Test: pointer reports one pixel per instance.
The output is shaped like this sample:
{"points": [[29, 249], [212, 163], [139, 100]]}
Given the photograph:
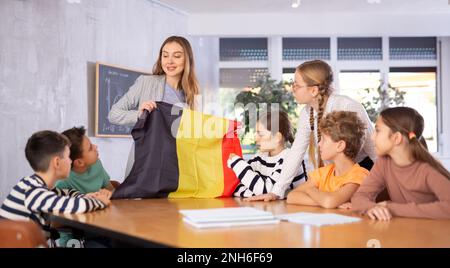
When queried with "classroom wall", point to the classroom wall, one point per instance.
{"points": [[47, 81]]}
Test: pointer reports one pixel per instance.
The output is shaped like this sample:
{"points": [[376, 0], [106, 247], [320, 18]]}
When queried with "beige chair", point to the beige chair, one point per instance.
{"points": [[21, 234]]}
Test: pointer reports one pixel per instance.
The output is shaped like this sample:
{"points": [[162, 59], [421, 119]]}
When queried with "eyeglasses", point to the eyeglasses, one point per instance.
{"points": [[296, 86]]}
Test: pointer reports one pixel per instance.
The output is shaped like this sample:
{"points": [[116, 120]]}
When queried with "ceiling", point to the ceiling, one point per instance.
{"points": [[309, 6]]}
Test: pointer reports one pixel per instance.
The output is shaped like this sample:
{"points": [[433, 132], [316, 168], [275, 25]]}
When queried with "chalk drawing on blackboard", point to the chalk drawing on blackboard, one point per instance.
{"points": [[112, 82]]}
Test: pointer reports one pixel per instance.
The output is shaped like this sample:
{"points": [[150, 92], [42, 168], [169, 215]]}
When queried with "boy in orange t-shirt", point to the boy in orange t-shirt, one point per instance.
{"points": [[334, 184]]}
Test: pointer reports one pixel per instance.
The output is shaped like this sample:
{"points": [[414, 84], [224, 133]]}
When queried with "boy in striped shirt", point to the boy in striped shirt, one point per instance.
{"points": [[35, 196]]}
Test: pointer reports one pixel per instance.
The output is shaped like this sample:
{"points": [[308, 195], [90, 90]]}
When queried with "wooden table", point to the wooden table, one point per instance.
{"points": [[157, 222]]}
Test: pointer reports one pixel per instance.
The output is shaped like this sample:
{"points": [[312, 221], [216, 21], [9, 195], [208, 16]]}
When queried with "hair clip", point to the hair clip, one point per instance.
{"points": [[412, 135]]}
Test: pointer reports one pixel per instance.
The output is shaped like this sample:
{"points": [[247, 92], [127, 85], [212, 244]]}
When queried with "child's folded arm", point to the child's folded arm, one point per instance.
{"points": [[300, 198], [67, 192], [332, 199], [251, 179], [433, 210], [242, 191], [439, 185], [44, 200]]}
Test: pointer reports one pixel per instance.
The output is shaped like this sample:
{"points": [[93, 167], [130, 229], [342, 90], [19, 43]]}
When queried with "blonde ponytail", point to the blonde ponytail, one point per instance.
{"points": [[316, 73]]}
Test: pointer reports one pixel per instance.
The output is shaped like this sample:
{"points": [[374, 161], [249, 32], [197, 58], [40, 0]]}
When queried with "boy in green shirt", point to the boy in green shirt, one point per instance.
{"points": [[87, 174]]}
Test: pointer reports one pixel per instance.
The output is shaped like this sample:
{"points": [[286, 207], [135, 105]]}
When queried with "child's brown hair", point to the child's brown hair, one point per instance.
{"points": [[410, 124], [42, 146], [75, 135], [345, 126], [284, 124]]}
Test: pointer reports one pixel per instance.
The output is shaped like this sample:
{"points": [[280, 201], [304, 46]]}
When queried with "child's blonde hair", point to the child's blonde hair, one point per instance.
{"points": [[345, 126], [410, 124], [316, 73]]}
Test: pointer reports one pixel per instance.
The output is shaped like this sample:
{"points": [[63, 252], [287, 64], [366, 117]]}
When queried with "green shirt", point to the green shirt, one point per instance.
{"points": [[94, 179]]}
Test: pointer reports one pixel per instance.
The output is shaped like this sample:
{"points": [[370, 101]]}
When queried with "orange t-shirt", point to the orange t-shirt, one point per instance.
{"points": [[326, 181]]}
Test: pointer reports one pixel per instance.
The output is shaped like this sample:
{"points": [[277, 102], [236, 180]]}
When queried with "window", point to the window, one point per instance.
{"points": [[288, 74], [306, 49], [243, 49], [233, 81], [359, 48], [412, 48], [420, 87], [354, 83]]}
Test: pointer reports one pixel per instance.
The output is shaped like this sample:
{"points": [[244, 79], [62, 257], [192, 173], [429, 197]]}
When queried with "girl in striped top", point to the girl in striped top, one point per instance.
{"points": [[35, 196], [259, 174]]}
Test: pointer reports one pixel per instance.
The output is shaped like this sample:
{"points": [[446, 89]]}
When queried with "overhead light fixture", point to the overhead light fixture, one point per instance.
{"points": [[296, 3], [373, 1]]}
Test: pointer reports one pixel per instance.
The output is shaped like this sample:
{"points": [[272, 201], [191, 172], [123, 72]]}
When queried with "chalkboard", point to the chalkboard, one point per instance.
{"points": [[112, 82]]}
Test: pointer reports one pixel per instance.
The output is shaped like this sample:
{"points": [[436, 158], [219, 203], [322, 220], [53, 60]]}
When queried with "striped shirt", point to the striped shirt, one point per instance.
{"points": [[31, 199], [259, 174]]}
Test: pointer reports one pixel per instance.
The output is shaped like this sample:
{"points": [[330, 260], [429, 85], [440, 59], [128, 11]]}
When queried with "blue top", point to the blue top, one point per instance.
{"points": [[173, 96]]}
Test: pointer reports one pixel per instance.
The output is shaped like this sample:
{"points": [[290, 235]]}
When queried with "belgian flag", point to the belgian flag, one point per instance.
{"points": [[181, 153]]}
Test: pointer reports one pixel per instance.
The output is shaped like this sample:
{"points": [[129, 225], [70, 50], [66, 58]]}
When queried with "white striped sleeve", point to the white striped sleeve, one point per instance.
{"points": [[48, 203], [74, 193], [252, 179], [14, 205], [17, 195], [255, 162], [44, 200], [242, 191]]}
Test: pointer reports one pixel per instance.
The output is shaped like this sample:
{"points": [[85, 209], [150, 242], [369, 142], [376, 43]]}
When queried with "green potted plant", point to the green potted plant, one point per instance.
{"points": [[383, 98]]}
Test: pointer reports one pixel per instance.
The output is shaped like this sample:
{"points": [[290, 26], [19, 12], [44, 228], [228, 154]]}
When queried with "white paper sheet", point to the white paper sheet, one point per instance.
{"points": [[317, 219], [226, 214], [229, 223]]}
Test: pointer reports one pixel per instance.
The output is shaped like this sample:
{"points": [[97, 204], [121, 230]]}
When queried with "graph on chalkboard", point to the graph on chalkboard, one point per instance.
{"points": [[112, 82]]}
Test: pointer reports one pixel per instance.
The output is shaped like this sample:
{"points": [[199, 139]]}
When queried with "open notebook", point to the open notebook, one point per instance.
{"points": [[317, 219], [227, 217]]}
